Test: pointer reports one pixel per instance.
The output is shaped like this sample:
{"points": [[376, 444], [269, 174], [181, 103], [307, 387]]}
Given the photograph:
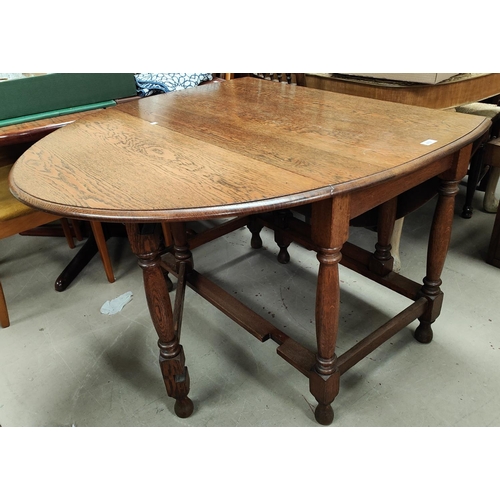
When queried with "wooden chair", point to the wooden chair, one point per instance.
{"points": [[478, 168], [15, 218], [491, 158]]}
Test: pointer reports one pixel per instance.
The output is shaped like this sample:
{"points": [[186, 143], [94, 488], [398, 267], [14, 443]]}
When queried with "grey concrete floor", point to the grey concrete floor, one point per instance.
{"points": [[63, 363]]}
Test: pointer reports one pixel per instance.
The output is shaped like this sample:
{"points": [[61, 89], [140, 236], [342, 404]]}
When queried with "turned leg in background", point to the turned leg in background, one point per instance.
{"points": [[255, 227], [280, 236], [145, 243], [382, 261]]}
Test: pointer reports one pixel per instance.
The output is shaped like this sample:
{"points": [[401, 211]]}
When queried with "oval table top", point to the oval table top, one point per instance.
{"points": [[237, 147]]}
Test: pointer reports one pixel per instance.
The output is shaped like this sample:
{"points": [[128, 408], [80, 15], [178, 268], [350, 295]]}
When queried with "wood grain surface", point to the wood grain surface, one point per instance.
{"points": [[456, 91], [238, 147]]}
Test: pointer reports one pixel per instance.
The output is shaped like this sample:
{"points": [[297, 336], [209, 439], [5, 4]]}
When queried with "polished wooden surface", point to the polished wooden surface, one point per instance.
{"points": [[32, 131], [273, 145], [448, 94], [243, 148]]}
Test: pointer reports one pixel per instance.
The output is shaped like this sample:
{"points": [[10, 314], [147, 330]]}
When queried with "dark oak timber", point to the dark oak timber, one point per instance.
{"points": [[145, 242], [274, 152]]}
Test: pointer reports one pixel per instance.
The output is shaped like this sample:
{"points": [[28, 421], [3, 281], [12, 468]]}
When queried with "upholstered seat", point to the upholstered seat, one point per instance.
{"points": [[10, 208], [492, 159], [479, 162]]}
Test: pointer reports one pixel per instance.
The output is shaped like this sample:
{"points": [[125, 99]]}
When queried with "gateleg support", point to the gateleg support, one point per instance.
{"points": [[145, 242]]}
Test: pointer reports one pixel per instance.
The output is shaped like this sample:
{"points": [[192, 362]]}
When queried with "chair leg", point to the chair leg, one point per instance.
{"points": [[167, 234], [395, 240], [67, 232], [475, 169], [103, 249], [4, 314], [490, 203], [77, 229]]}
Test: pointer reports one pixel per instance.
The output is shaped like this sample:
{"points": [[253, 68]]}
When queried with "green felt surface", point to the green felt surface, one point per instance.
{"points": [[55, 91], [57, 112]]}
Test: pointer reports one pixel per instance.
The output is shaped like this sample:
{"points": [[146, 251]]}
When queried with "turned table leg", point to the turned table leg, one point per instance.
{"points": [[382, 261], [280, 236], [145, 243], [439, 240], [330, 228]]}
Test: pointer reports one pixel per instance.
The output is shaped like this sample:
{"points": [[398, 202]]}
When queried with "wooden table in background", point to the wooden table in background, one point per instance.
{"points": [[456, 91], [177, 158]]}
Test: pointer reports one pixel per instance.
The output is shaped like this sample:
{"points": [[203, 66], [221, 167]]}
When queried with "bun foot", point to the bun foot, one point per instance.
{"points": [[183, 407], [283, 256], [256, 242], [324, 414], [423, 332]]}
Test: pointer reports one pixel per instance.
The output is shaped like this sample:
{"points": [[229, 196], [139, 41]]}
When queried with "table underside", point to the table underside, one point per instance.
{"points": [[306, 226]]}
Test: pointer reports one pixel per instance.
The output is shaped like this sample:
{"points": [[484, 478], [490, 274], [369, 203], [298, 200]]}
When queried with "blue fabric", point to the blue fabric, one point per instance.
{"points": [[157, 83]]}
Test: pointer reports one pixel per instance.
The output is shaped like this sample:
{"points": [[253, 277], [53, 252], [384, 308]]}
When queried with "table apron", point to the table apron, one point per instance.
{"points": [[365, 199]]}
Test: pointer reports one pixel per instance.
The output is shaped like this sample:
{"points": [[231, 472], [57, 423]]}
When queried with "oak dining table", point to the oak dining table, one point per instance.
{"points": [[238, 151]]}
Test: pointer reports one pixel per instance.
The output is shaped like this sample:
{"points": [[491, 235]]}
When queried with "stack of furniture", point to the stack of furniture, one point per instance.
{"points": [[482, 158]]}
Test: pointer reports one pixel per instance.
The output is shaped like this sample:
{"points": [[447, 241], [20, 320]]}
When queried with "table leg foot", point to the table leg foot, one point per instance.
{"points": [[255, 227], [283, 255], [176, 377], [324, 388], [183, 407], [423, 332], [324, 414]]}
